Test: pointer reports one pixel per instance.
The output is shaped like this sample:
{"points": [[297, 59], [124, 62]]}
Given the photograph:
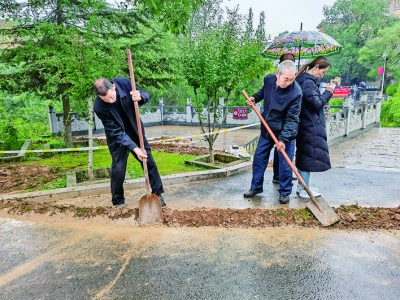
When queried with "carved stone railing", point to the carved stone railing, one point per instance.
{"points": [[351, 117]]}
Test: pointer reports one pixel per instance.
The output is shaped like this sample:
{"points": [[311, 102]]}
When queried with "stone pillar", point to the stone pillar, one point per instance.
{"points": [[52, 120], [327, 113], [347, 115], [97, 124], [378, 111], [364, 107], [189, 110], [161, 105]]}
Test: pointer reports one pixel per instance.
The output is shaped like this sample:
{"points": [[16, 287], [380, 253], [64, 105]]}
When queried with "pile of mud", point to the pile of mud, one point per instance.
{"points": [[351, 217]]}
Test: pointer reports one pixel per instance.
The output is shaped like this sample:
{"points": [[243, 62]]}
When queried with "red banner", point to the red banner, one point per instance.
{"points": [[240, 113], [341, 92]]}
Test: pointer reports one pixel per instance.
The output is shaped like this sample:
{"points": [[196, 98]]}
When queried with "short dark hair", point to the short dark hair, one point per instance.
{"points": [[282, 58], [101, 86]]}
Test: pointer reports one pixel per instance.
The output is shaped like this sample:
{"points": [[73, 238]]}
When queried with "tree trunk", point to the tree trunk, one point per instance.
{"points": [[67, 122], [211, 149], [90, 137]]}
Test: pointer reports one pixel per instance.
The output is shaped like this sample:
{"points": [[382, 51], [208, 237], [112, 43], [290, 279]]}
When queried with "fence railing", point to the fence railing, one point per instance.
{"points": [[350, 118]]}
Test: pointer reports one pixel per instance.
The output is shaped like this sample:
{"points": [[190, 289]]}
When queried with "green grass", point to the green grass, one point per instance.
{"points": [[336, 102], [60, 163]]}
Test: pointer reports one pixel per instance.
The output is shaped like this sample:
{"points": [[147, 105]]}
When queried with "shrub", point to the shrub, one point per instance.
{"points": [[390, 114], [336, 102], [9, 137], [392, 89]]}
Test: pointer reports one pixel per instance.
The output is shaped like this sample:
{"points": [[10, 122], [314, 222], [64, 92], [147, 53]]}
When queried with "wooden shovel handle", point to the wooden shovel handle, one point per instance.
{"points": [[292, 166], [138, 123]]}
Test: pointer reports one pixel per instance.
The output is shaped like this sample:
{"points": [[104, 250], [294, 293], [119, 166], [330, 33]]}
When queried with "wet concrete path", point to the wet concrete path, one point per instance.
{"points": [[91, 261]]}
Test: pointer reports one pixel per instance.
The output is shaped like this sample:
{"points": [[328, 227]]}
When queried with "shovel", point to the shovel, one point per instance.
{"points": [[150, 212], [318, 206]]}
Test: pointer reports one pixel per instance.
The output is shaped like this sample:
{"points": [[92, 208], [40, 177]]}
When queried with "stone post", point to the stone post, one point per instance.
{"points": [[378, 111], [98, 125], [327, 112], [364, 107], [161, 105], [189, 110], [347, 115], [52, 120]]}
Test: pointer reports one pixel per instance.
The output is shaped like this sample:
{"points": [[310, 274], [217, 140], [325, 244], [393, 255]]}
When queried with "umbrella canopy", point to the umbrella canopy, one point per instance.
{"points": [[302, 44]]}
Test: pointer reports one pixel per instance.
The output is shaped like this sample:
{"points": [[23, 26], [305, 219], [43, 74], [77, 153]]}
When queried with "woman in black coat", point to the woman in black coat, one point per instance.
{"points": [[312, 154]]}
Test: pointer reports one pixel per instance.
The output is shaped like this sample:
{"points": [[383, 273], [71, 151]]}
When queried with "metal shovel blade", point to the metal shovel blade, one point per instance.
{"points": [[322, 211], [150, 211]]}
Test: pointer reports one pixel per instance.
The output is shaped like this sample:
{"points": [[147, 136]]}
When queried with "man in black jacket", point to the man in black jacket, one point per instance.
{"points": [[282, 103], [114, 107]]}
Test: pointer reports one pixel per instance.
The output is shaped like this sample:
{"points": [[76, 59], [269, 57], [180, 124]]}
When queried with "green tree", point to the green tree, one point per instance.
{"points": [[352, 23], [59, 47], [388, 40], [173, 14], [223, 54]]}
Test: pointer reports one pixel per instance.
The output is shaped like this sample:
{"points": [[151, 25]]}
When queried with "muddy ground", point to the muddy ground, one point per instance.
{"points": [[16, 177], [351, 217]]}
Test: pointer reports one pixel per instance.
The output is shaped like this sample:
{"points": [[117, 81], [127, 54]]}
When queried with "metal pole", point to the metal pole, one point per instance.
{"points": [[384, 55], [383, 75]]}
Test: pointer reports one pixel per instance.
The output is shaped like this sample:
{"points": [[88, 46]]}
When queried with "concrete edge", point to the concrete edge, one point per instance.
{"points": [[104, 187]]}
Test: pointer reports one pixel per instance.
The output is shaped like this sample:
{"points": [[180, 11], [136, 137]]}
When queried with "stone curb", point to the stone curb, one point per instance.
{"points": [[104, 188]]}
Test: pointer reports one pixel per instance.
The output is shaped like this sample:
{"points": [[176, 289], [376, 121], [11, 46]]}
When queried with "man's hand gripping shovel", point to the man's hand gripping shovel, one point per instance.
{"points": [[150, 211], [317, 205]]}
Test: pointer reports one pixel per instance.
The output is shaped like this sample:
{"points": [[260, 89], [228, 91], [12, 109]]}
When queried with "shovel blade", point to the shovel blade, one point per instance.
{"points": [[150, 211], [322, 211]]}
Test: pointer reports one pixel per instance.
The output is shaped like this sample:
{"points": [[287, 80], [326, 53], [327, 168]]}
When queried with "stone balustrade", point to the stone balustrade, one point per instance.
{"points": [[340, 124]]}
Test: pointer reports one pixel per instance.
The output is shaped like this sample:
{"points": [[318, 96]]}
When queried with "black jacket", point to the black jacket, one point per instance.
{"points": [[312, 152], [281, 108], [112, 121]]}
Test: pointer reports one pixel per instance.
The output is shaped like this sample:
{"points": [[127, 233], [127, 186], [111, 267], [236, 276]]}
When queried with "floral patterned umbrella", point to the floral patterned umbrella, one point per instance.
{"points": [[303, 44]]}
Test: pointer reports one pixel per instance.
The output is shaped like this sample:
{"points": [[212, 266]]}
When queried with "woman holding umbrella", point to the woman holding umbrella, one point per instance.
{"points": [[312, 154]]}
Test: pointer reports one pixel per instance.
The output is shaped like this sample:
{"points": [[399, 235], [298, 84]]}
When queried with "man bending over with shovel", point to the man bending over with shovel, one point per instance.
{"points": [[114, 107], [282, 102]]}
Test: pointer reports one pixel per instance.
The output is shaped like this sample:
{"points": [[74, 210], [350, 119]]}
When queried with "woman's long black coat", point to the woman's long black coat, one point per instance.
{"points": [[312, 152]]}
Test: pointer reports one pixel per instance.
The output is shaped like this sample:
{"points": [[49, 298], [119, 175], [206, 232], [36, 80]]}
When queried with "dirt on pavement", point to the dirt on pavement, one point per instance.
{"points": [[17, 177], [351, 217]]}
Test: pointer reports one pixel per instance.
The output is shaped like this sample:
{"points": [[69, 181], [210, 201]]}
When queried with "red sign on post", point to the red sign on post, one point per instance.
{"points": [[240, 113], [341, 92]]}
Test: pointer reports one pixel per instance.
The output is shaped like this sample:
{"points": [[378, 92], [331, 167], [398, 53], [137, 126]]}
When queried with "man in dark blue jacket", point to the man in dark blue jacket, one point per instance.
{"points": [[114, 107], [275, 178], [282, 103]]}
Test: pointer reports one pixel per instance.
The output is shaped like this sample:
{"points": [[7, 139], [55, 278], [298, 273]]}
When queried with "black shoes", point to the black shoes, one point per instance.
{"points": [[252, 193], [284, 199], [163, 204]]}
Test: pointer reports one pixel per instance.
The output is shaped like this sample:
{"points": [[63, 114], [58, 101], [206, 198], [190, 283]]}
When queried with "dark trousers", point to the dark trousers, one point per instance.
{"points": [[276, 160], [260, 163], [118, 170]]}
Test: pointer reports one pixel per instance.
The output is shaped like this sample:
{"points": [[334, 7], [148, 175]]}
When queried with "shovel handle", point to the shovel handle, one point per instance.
{"points": [[138, 122], [292, 166]]}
